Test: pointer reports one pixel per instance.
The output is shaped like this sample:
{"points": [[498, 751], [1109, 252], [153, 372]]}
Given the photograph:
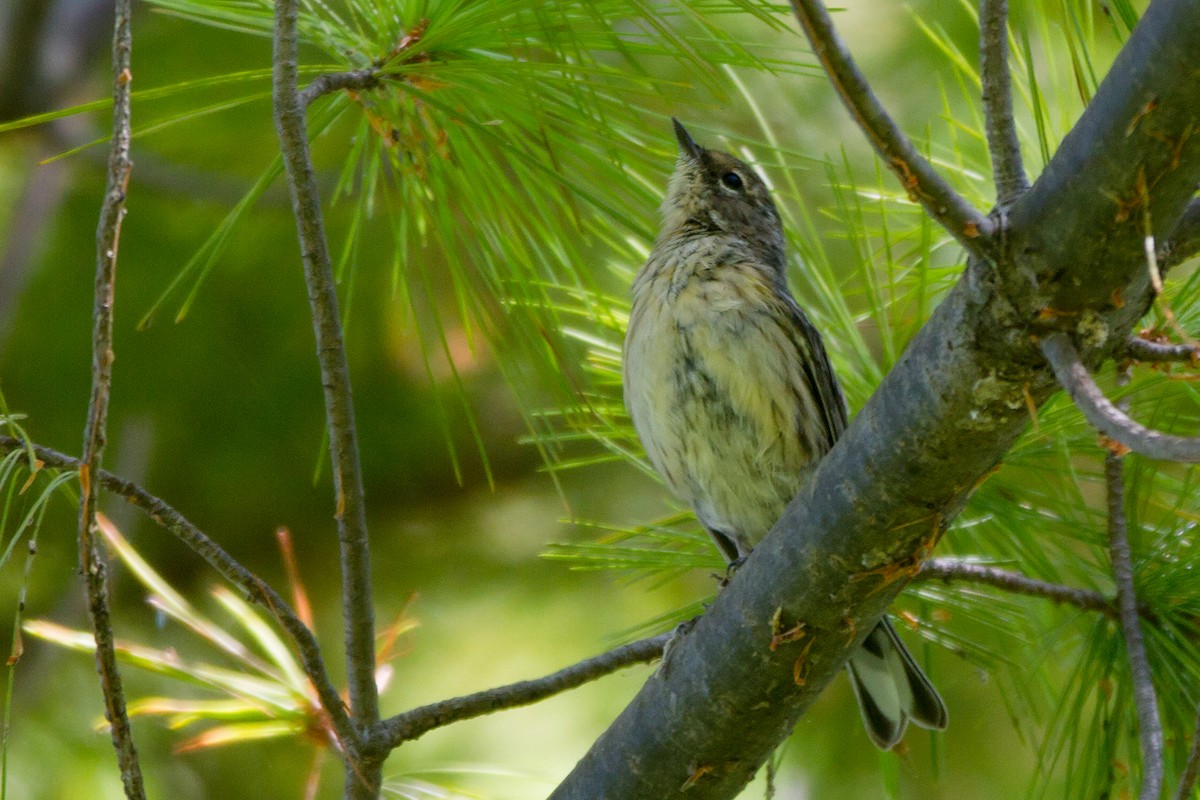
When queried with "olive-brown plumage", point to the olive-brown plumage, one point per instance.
{"points": [[731, 390]]}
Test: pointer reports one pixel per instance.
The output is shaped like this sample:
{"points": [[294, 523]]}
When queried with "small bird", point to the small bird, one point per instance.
{"points": [[731, 391]]}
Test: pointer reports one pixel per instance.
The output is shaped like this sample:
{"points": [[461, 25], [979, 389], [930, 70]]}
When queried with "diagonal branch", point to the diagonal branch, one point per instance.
{"points": [[1149, 725], [357, 611], [91, 554], [166, 517], [412, 724], [997, 102], [321, 85], [923, 184], [1106, 417]]}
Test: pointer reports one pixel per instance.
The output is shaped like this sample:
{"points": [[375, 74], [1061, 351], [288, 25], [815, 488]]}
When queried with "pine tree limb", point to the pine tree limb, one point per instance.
{"points": [[1005, 149], [922, 182], [1106, 417]]}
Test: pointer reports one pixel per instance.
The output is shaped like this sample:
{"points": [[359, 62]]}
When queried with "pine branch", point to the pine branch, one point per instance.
{"points": [[1149, 724], [1106, 417], [948, 569], [997, 102], [1139, 349], [174, 523], [91, 554], [363, 777], [923, 184], [412, 724], [355, 80]]}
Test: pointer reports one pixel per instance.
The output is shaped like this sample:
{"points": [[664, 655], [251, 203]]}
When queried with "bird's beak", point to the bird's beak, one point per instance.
{"points": [[687, 145]]}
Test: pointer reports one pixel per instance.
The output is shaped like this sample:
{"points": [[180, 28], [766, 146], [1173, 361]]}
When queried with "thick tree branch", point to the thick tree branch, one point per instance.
{"points": [[1149, 725], [948, 569], [357, 611], [922, 182], [412, 724], [938, 424], [1106, 417], [1007, 167], [91, 554], [170, 520]]}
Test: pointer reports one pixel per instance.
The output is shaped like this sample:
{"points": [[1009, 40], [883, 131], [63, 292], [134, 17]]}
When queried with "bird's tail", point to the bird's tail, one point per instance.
{"points": [[891, 689]]}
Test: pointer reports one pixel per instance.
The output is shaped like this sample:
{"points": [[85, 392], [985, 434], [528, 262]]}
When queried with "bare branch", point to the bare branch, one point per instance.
{"points": [[91, 554], [1140, 349], [412, 724], [948, 569], [1106, 417], [923, 184], [255, 588], [1191, 769], [1007, 167], [336, 81], [1184, 241], [1149, 724], [357, 611]]}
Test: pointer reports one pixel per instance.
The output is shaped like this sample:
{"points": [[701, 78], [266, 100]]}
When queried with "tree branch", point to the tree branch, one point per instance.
{"points": [[1002, 140], [91, 554], [358, 79], [170, 520], [1149, 724], [948, 569], [412, 724], [1106, 417], [1184, 241], [937, 425], [357, 610], [923, 184], [1145, 350]]}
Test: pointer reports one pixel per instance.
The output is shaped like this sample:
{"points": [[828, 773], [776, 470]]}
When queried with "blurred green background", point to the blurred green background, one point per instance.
{"points": [[221, 415]]}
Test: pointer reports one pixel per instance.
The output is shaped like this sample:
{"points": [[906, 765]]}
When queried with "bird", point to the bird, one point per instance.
{"points": [[730, 389]]}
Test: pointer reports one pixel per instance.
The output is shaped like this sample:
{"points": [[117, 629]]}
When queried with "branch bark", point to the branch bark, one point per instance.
{"points": [[940, 421], [922, 182], [1184, 241], [1140, 349], [1007, 167], [91, 553], [363, 777]]}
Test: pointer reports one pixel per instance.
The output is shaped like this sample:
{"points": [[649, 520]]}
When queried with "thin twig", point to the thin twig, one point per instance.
{"points": [[91, 554], [920, 180], [1191, 769], [256, 589], [1106, 417], [1002, 140], [419, 721], [949, 569], [358, 79], [1149, 725], [1184, 240], [357, 611], [1140, 349]]}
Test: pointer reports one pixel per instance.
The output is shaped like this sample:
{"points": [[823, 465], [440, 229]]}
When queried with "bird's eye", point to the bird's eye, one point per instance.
{"points": [[732, 180]]}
